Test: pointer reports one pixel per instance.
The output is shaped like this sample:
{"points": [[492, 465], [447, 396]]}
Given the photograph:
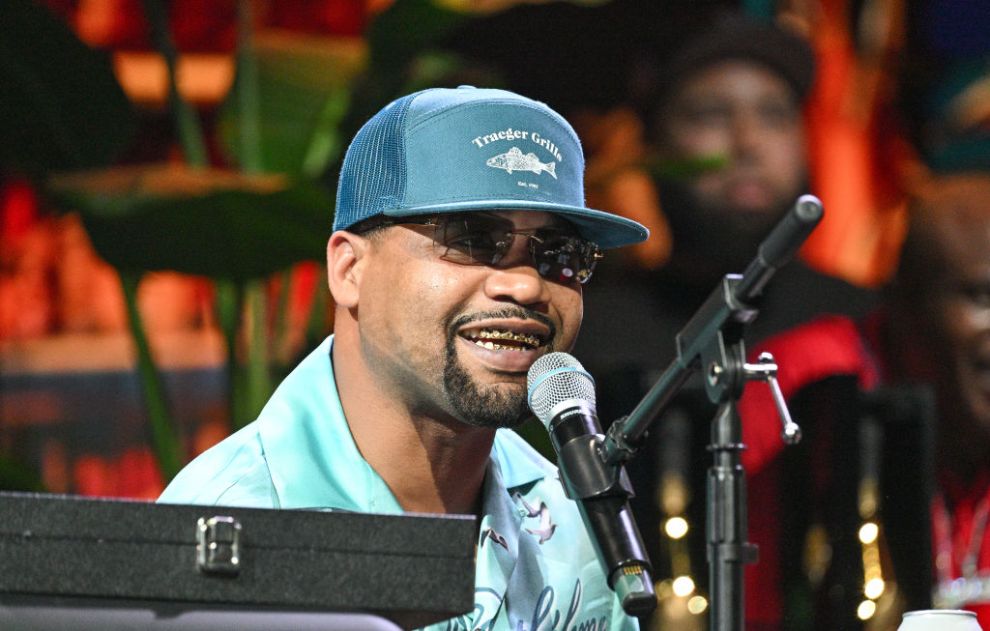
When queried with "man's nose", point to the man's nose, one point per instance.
{"points": [[517, 282], [748, 135]]}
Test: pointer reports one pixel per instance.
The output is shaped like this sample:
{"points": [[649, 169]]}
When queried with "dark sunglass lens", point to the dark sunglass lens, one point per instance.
{"points": [[476, 239], [565, 258]]}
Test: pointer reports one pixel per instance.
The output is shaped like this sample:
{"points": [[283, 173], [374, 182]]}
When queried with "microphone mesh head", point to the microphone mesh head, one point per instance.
{"points": [[555, 378]]}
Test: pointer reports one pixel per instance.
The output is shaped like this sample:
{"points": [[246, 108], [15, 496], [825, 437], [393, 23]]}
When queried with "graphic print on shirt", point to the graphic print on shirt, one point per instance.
{"points": [[489, 533], [546, 615], [545, 529]]}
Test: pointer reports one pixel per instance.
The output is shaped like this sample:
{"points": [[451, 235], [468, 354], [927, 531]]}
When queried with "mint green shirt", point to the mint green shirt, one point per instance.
{"points": [[536, 568]]}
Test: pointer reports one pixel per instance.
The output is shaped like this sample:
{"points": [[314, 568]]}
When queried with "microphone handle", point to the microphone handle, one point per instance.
{"points": [[601, 492], [623, 555]]}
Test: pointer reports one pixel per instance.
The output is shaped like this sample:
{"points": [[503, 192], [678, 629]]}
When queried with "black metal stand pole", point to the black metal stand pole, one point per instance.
{"points": [[728, 550]]}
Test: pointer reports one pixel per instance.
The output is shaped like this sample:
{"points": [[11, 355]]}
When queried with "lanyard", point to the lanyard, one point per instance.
{"points": [[973, 587]]}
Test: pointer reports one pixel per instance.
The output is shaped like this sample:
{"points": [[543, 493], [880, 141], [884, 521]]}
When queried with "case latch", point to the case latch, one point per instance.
{"points": [[218, 545]]}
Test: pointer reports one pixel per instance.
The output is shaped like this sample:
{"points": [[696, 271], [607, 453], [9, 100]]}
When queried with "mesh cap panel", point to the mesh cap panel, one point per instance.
{"points": [[555, 378], [373, 175]]}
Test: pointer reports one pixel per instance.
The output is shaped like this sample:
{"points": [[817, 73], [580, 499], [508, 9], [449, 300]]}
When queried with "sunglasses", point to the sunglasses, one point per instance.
{"points": [[558, 253]]}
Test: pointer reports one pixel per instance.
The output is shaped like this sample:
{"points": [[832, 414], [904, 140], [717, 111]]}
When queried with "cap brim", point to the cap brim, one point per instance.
{"points": [[606, 229]]}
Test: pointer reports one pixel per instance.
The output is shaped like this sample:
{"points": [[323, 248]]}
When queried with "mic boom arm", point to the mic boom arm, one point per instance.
{"points": [[703, 340]]}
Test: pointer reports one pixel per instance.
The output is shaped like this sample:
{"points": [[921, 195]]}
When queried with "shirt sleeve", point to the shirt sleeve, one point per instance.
{"points": [[232, 473]]}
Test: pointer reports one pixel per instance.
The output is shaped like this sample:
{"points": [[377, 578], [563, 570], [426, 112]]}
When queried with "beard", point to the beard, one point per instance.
{"points": [[727, 237], [492, 406]]}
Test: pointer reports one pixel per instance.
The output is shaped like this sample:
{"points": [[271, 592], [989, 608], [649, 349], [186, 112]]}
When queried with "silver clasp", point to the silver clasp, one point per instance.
{"points": [[218, 545]]}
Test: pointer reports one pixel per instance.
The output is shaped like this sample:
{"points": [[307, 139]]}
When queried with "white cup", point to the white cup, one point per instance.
{"points": [[939, 620]]}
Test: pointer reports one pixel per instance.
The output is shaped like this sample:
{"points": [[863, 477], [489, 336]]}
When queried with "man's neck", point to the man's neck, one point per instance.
{"points": [[430, 465], [429, 468]]}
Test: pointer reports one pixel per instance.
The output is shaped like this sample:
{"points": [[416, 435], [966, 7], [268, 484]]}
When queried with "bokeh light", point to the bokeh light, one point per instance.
{"points": [[868, 532], [866, 610], [676, 527], [873, 588], [683, 586], [697, 605]]}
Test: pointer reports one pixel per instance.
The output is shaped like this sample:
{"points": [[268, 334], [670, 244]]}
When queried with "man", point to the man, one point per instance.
{"points": [[461, 242], [933, 328], [726, 119]]}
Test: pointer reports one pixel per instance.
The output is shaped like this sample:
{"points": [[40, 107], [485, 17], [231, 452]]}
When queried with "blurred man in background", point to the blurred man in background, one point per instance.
{"points": [[725, 118]]}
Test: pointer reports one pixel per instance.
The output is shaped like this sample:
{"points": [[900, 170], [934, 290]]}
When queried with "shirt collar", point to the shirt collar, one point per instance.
{"points": [[311, 454], [518, 463]]}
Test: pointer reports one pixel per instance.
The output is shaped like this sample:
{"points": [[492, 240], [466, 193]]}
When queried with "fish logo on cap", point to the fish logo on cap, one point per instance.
{"points": [[515, 160]]}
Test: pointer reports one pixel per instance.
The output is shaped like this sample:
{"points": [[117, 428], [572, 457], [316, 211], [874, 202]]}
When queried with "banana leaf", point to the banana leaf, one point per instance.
{"points": [[207, 222], [61, 107], [302, 95], [314, 92]]}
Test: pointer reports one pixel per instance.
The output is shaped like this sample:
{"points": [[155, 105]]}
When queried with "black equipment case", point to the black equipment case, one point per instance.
{"points": [[66, 551]]}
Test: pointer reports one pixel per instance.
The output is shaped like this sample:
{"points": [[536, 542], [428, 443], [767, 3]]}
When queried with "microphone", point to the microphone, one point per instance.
{"points": [[562, 396]]}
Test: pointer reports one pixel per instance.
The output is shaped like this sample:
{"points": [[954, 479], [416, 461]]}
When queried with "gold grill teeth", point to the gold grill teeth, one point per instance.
{"points": [[530, 340], [495, 347]]}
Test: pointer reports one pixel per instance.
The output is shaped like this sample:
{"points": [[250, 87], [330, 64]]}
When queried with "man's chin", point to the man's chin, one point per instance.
{"points": [[486, 400], [753, 221]]}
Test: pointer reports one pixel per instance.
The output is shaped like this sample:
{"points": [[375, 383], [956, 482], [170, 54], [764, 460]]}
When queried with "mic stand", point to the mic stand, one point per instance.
{"points": [[712, 341]]}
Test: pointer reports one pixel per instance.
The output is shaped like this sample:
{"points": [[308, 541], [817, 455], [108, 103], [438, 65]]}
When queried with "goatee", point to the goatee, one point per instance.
{"points": [[486, 406]]}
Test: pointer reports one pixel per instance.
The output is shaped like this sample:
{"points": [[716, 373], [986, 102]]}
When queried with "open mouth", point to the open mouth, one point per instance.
{"points": [[504, 340]]}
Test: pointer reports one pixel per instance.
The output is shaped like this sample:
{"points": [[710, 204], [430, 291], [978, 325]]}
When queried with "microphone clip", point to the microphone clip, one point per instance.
{"points": [[585, 473]]}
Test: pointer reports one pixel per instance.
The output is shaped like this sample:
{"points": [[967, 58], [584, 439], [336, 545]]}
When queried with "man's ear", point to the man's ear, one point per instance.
{"points": [[345, 263]]}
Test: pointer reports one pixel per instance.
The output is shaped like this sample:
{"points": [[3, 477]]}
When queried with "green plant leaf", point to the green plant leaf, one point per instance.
{"points": [[207, 222], [396, 38], [302, 94], [61, 107], [687, 168], [164, 436]]}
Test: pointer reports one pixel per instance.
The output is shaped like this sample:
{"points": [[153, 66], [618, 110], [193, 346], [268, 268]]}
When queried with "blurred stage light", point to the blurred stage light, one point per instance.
{"points": [[866, 610], [697, 605], [868, 532], [683, 586], [676, 527]]}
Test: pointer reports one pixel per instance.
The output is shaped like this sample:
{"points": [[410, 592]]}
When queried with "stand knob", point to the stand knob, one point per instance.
{"points": [[766, 370]]}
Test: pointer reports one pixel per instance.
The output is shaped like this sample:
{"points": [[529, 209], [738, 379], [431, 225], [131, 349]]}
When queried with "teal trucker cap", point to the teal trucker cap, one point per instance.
{"points": [[465, 149]]}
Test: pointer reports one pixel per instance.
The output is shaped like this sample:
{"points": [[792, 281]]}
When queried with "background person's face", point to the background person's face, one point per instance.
{"points": [[744, 120], [959, 310]]}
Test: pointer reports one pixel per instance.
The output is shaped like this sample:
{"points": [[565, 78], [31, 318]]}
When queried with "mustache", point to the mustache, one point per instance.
{"points": [[519, 313]]}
